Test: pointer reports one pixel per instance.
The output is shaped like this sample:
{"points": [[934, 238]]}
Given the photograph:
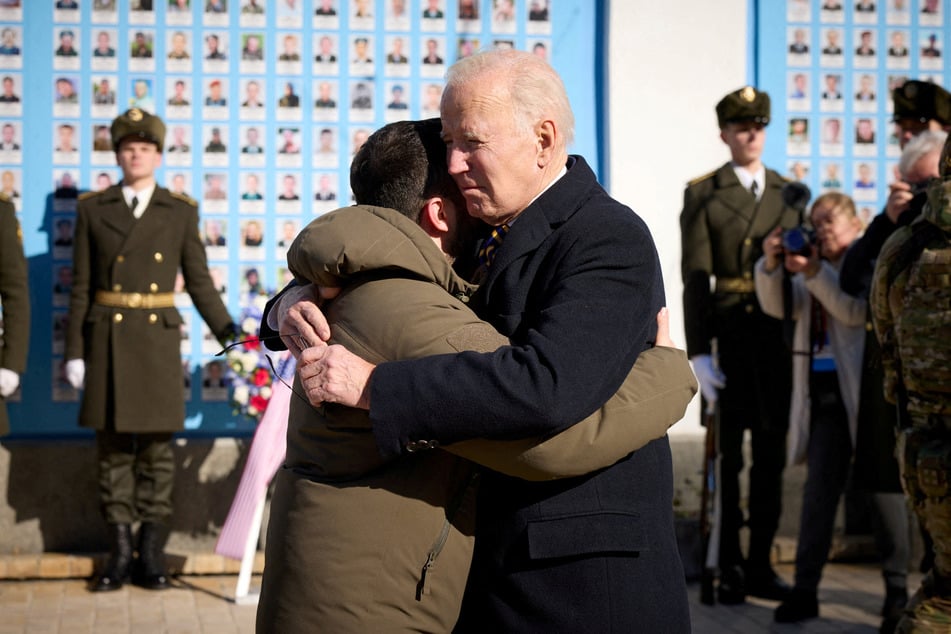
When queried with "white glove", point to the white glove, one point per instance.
{"points": [[708, 375], [9, 381], [76, 372]]}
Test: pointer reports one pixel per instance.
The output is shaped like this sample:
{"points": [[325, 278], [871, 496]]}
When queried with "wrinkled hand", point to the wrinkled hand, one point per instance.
{"points": [[899, 198], [663, 330], [333, 374], [76, 373], [9, 382], [709, 376], [300, 321]]}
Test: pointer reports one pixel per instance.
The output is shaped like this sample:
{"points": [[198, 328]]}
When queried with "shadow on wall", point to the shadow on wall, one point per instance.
{"points": [[51, 501]]}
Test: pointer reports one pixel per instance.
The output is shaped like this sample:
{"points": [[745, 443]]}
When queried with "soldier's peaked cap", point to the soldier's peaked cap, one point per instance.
{"points": [[139, 124], [922, 101], [745, 104]]}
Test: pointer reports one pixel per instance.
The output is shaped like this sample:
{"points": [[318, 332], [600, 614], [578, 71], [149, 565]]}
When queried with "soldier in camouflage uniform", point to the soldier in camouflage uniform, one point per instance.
{"points": [[911, 308]]}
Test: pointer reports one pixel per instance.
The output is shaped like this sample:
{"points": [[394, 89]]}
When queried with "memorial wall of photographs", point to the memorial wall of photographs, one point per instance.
{"points": [[265, 102], [830, 67]]}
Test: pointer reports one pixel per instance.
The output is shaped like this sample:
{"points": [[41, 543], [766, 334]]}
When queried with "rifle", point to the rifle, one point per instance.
{"points": [[710, 510]]}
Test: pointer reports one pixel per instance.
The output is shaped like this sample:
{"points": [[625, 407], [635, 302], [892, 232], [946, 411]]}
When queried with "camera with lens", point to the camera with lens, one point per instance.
{"points": [[798, 241]]}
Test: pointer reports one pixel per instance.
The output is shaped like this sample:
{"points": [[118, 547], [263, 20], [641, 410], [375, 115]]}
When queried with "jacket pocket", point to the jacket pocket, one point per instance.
{"points": [[586, 535]]}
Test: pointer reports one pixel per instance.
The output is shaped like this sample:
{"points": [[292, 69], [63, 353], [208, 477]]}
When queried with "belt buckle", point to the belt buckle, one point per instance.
{"points": [[135, 300]]}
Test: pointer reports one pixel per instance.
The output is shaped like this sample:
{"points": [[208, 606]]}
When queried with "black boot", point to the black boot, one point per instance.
{"points": [[798, 606], [150, 567], [116, 571]]}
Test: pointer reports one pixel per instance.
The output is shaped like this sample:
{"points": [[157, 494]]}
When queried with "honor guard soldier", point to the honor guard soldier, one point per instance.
{"points": [[726, 215], [15, 300], [123, 341], [910, 296]]}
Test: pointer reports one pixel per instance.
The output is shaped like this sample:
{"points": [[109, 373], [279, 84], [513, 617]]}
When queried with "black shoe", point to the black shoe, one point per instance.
{"points": [[766, 584], [892, 609], [116, 570], [149, 570], [732, 588], [798, 606]]}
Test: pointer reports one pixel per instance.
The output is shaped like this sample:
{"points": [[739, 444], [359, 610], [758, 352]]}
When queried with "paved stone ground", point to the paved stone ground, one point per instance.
{"points": [[850, 598]]}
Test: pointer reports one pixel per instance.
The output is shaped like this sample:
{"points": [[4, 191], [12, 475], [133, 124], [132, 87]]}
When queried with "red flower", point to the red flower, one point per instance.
{"points": [[258, 402], [252, 343], [261, 377]]}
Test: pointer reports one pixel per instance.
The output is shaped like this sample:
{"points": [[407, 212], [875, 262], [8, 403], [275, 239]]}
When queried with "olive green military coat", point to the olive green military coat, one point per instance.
{"points": [[722, 231], [15, 297], [133, 362]]}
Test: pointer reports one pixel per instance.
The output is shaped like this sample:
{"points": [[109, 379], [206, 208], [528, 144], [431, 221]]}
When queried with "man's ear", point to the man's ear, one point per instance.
{"points": [[432, 217], [545, 135]]}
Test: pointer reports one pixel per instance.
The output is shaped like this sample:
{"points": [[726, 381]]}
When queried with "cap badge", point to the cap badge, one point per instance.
{"points": [[748, 94], [135, 114]]}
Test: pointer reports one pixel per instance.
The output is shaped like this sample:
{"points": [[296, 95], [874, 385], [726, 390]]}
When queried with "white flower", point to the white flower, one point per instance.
{"points": [[241, 394], [265, 392], [249, 325]]}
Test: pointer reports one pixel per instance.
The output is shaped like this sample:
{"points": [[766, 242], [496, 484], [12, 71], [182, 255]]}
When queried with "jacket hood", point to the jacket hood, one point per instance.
{"points": [[362, 239]]}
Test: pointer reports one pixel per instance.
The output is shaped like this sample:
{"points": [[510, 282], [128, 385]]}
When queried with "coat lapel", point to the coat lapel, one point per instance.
{"points": [[732, 194], [536, 223], [153, 222], [115, 213]]}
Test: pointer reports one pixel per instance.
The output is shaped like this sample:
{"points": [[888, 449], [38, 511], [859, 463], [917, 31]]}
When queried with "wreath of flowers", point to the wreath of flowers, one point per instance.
{"points": [[251, 368]]}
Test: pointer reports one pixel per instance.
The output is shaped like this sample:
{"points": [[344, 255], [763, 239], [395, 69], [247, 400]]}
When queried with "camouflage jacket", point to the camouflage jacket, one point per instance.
{"points": [[911, 308]]}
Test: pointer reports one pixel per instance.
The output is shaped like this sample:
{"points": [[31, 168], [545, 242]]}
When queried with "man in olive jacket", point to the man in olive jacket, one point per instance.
{"points": [[123, 340], [15, 299], [359, 543]]}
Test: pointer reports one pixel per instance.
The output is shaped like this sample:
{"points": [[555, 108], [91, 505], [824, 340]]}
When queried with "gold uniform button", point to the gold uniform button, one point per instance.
{"points": [[749, 308], [747, 276], [153, 318], [117, 287], [158, 257], [153, 287], [118, 317], [120, 259], [747, 242], [869, 327]]}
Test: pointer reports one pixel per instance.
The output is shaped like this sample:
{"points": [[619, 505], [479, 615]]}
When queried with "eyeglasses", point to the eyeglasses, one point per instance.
{"points": [[300, 343]]}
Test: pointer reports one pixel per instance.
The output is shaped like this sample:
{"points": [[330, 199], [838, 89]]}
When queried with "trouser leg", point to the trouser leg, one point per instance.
{"points": [[154, 477], [731, 517], [828, 458], [766, 490], [893, 537], [116, 458]]}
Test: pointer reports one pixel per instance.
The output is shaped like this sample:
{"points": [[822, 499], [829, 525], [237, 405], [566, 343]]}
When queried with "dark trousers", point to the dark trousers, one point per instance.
{"points": [[136, 476], [756, 397], [828, 460]]}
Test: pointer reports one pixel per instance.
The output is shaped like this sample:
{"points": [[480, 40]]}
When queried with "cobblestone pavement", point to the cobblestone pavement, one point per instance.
{"points": [[850, 597]]}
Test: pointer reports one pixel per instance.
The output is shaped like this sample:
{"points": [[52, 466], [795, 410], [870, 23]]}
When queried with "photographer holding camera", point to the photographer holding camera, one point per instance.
{"points": [[827, 359]]}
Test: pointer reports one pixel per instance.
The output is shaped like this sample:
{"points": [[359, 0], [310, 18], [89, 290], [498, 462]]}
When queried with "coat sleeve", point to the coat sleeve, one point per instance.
{"points": [[696, 268], [14, 292], [79, 298], [654, 396], [883, 316], [846, 309], [198, 280], [576, 335]]}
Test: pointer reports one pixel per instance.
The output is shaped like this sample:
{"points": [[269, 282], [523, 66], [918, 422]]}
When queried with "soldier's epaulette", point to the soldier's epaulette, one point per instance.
{"points": [[89, 194], [5, 198], [700, 179], [188, 199]]}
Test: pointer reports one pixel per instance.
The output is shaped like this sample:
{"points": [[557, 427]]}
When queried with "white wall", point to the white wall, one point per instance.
{"points": [[668, 65]]}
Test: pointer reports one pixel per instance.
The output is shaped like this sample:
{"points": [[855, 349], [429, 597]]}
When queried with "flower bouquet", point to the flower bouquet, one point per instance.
{"points": [[252, 371]]}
